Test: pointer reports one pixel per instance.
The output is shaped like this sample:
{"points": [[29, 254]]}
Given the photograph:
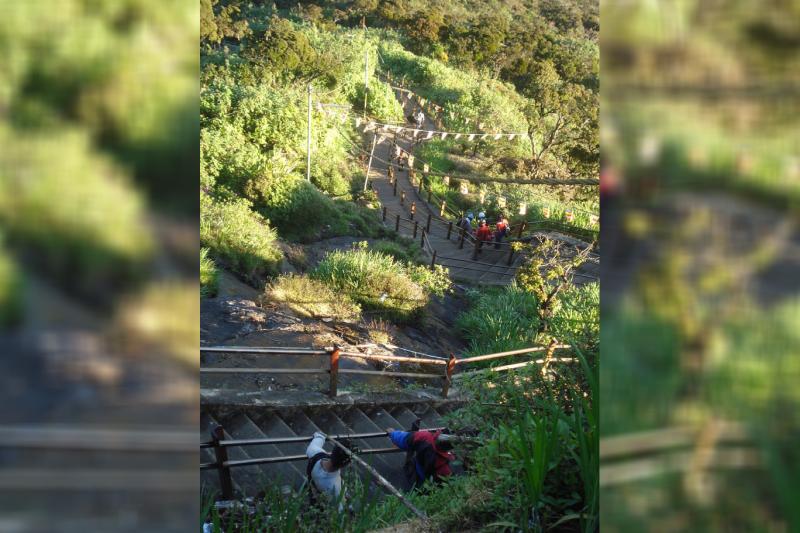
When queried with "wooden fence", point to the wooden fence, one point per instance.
{"points": [[334, 354]]}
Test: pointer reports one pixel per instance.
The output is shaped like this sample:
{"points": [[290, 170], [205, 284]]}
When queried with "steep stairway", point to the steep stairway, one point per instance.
{"points": [[261, 423], [491, 266]]}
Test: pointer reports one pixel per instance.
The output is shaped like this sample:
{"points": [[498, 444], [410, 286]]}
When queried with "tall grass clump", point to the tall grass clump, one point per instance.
{"points": [[311, 298], [239, 238], [380, 282], [209, 276], [499, 319]]}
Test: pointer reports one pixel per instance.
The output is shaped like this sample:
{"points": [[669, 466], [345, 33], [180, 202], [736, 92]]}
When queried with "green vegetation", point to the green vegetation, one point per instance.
{"points": [[88, 231], [10, 291], [239, 238], [209, 275], [381, 283], [311, 298]]}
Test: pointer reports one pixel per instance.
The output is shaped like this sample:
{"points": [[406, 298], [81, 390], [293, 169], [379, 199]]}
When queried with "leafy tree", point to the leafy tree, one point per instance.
{"points": [[218, 21], [548, 271]]}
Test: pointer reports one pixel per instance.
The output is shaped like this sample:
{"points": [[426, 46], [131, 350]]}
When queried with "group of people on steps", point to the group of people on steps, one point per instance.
{"points": [[429, 456], [480, 229]]}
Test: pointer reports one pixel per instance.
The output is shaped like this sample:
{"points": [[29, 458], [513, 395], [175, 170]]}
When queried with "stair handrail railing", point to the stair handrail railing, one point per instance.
{"points": [[335, 353]]}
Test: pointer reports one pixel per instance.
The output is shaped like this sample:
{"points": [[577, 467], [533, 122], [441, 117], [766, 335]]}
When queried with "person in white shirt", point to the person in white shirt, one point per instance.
{"points": [[324, 470], [419, 117]]}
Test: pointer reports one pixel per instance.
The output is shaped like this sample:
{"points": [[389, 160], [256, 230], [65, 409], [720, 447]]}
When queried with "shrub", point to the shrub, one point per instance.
{"points": [[240, 238], [407, 251], [209, 276], [375, 280], [381, 102], [73, 211], [311, 298]]}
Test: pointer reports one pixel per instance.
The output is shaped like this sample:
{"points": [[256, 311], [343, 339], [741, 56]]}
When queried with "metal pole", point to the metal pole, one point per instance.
{"points": [[369, 165], [308, 138]]}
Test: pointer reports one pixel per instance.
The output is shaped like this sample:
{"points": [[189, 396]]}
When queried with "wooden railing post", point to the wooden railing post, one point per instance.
{"points": [[422, 240], [402, 197], [428, 225], [449, 229], [334, 354], [419, 190], [397, 223], [394, 188], [384, 213], [433, 259], [429, 196], [416, 224], [521, 229], [448, 375], [221, 453], [413, 209], [441, 211], [461, 240]]}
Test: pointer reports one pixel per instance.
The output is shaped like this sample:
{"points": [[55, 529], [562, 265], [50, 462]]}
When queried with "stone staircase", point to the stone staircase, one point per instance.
{"points": [[261, 423], [490, 267]]}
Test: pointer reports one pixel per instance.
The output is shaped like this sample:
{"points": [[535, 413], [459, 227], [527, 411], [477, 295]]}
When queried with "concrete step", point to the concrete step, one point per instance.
{"points": [[242, 427], [389, 465], [382, 418], [274, 427], [404, 416], [430, 418]]}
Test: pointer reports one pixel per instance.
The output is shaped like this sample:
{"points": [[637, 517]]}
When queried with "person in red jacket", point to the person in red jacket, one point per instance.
{"points": [[432, 456], [484, 233]]}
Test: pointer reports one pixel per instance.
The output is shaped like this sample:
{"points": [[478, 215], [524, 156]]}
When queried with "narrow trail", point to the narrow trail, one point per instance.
{"points": [[409, 212]]}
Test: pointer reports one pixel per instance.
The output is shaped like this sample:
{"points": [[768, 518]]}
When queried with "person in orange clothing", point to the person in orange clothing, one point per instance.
{"points": [[484, 233]]}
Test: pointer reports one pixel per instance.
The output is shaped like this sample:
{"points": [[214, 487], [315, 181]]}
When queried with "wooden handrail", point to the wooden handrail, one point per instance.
{"points": [[95, 439], [380, 479], [308, 438], [511, 352], [380, 357], [264, 350], [285, 459], [516, 365], [392, 374], [264, 371]]}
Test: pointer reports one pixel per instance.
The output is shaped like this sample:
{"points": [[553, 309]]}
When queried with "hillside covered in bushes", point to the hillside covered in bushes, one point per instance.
{"points": [[500, 66]]}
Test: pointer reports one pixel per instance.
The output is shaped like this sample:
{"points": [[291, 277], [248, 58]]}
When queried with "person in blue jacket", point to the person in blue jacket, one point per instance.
{"points": [[430, 456]]}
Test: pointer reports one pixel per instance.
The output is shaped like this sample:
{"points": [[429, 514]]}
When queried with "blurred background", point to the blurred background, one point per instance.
{"points": [[700, 185], [99, 306]]}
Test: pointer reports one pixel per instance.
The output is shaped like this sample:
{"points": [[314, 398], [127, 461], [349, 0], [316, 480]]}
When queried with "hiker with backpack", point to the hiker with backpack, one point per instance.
{"points": [[324, 470], [430, 454], [484, 233], [501, 230]]}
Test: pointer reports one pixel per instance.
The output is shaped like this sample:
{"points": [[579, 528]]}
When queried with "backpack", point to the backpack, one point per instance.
{"points": [[312, 489]]}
